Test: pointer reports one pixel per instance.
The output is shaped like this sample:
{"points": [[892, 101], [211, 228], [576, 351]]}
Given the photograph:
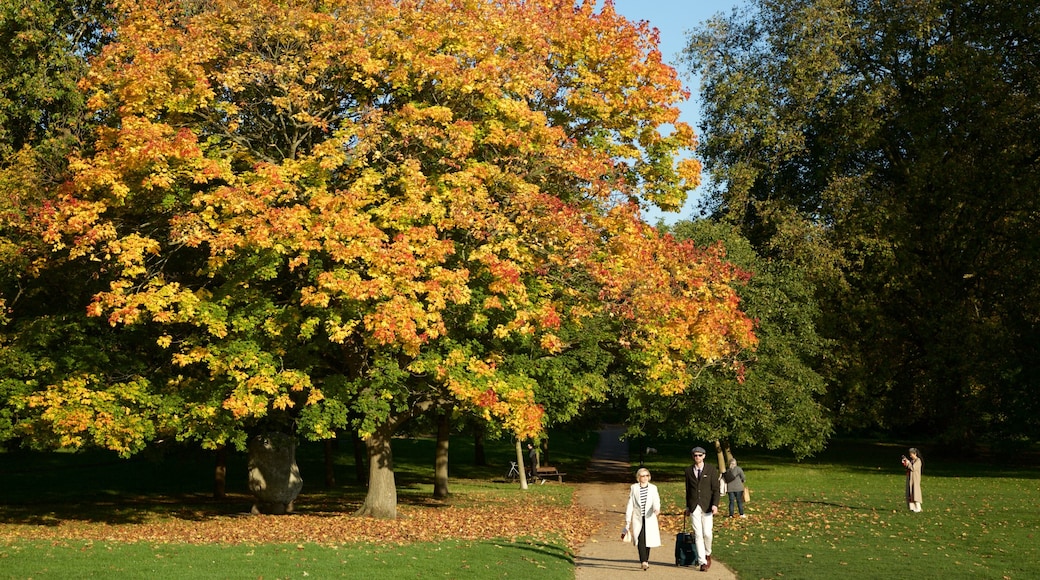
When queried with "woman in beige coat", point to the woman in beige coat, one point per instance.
{"points": [[913, 466], [644, 505]]}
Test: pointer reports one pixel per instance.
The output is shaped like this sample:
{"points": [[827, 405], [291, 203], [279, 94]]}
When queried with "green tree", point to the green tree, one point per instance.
{"points": [[777, 402], [47, 44], [889, 149], [46, 48]]}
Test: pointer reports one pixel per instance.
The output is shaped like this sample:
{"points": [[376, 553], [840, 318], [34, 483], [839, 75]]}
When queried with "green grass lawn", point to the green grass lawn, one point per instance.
{"points": [[485, 559], [843, 516], [840, 515]]}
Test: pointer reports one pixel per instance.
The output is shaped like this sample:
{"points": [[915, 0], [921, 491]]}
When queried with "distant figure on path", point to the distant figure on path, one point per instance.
{"points": [[702, 503], [644, 505], [913, 465], [734, 478]]}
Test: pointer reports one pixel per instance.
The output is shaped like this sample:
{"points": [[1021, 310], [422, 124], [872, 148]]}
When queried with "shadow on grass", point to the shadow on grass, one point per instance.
{"points": [[834, 504], [47, 488], [541, 549], [120, 508]]}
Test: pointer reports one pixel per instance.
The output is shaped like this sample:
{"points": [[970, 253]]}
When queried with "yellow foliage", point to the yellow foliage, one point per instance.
{"points": [[370, 168]]}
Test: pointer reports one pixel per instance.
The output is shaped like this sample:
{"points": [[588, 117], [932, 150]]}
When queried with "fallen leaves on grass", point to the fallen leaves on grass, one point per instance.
{"points": [[508, 519]]}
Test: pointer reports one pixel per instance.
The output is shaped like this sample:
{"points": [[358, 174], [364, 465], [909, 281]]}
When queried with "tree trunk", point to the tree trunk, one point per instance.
{"points": [[330, 471], [440, 465], [729, 452], [220, 473], [520, 464], [479, 457], [720, 455], [274, 476], [359, 459], [381, 501]]}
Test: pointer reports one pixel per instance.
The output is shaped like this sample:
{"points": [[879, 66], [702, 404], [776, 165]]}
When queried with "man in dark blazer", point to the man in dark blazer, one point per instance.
{"points": [[702, 502]]}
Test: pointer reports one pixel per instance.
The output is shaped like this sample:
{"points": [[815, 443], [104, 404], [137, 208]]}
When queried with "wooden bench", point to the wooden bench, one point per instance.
{"points": [[545, 472]]}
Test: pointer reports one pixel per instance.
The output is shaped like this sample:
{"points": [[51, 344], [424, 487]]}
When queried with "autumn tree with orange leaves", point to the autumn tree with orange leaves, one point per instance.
{"points": [[341, 214]]}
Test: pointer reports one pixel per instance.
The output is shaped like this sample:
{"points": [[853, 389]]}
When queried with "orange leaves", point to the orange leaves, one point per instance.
{"points": [[490, 517], [152, 68], [677, 305], [480, 384], [73, 221], [82, 409], [257, 385], [435, 127], [141, 156], [280, 180]]}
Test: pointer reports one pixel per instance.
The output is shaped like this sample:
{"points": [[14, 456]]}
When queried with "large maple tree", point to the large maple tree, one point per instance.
{"points": [[342, 213]]}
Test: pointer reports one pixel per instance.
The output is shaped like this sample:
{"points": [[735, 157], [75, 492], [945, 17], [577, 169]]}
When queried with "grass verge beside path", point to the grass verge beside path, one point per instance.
{"points": [[843, 516]]}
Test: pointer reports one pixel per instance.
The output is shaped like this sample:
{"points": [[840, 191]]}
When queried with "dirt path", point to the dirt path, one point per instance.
{"points": [[604, 556]]}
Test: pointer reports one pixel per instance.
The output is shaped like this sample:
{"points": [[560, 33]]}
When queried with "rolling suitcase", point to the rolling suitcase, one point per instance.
{"points": [[685, 550]]}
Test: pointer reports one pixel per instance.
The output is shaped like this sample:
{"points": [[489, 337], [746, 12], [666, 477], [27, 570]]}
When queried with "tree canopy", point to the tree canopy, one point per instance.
{"points": [[316, 216], [778, 403], [889, 149]]}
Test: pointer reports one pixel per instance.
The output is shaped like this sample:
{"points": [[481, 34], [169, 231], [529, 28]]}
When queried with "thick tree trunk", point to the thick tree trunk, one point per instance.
{"points": [[330, 471], [381, 501], [520, 464], [274, 476], [220, 473], [440, 464], [479, 457]]}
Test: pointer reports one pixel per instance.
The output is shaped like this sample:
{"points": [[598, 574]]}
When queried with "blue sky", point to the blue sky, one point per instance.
{"points": [[674, 18]]}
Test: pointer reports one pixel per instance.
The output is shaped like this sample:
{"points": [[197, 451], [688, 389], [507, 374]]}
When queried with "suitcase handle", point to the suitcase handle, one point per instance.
{"points": [[686, 529]]}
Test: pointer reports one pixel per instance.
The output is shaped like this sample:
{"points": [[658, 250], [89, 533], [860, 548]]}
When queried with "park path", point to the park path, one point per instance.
{"points": [[604, 556]]}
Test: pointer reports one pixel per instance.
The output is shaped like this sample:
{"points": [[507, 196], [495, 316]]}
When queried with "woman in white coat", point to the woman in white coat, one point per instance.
{"points": [[644, 505]]}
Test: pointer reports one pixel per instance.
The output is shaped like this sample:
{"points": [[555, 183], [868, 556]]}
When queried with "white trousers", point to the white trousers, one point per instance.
{"points": [[702, 533]]}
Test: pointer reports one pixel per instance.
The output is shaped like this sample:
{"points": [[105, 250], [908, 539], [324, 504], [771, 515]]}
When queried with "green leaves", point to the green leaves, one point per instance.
{"points": [[47, 48], [878, 148]]}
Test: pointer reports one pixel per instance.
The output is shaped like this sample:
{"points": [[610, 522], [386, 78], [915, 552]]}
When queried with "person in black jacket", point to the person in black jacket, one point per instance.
{"points": [[702, 502]]}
